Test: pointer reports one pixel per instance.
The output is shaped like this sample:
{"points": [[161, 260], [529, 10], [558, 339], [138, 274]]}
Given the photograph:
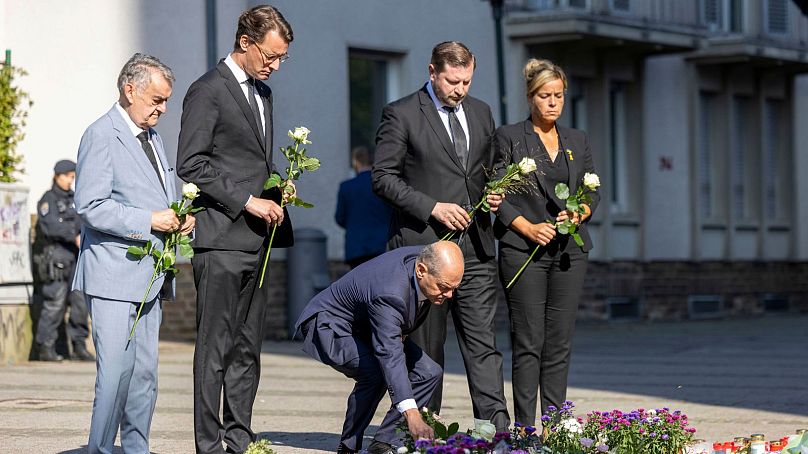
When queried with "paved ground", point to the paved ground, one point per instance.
{"points": [[732, 377]]}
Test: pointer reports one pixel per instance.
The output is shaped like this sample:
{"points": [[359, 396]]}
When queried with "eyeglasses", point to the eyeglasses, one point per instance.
{"points": [[268, 58]]}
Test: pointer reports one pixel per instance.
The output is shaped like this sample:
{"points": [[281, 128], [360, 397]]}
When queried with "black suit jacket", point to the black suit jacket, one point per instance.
{"points": [[220, 150], [516, 141], [375, 303], [416, 167]]}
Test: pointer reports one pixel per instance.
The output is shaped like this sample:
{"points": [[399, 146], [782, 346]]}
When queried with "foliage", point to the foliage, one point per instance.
{"points": [[260, 447], [13, 115]]}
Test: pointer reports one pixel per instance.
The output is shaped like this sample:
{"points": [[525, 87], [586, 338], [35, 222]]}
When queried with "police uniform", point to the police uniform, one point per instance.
{"points": [[55, 253]]}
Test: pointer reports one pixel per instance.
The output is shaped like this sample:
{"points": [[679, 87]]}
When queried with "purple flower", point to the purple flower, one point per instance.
{"points": [[529, 430], [552, 408], [545, 418], [420, 444], [516, 424], [586, 442], [664, 436], [602, 448]]}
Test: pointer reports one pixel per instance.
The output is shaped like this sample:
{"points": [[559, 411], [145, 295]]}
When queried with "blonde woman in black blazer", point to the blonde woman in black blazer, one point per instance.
{"points": [[543, 302]]}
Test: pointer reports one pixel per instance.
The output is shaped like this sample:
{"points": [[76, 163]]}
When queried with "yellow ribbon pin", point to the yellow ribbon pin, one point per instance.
{"points": [[569, 153]]}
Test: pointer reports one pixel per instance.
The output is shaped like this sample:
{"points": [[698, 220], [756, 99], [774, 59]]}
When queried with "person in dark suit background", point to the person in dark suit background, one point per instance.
{"points": [[359, 327], [363, 215], [543, 302], [433, 148], [225, 148]]}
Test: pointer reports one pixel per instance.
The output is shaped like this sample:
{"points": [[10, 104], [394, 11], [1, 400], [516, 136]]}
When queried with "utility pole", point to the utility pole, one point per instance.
{"points": [[497, 8]]}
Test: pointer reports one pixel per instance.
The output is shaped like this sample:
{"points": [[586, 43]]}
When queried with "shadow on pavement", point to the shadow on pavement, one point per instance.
{"points": [[83, 450]]}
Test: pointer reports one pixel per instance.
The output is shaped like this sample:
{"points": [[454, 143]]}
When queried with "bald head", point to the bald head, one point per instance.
{"points": [[439, 270]]}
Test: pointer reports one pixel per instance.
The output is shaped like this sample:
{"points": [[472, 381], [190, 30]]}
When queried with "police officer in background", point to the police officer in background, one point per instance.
{"points": [[56, 247]]}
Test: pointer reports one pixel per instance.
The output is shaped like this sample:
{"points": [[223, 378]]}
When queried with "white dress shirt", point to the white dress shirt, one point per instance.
{"points": [[242, 78]]}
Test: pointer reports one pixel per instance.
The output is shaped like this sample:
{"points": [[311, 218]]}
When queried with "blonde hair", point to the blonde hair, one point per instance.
{"points": [[539, 72]]}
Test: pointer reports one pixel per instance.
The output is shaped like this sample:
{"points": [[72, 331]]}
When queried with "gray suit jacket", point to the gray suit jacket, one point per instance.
{"points": [[116, 191]]}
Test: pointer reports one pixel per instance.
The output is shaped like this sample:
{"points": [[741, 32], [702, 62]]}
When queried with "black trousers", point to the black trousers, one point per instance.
{"points": [[473, 310], [230, 329], [56, 296], [543, 305]]}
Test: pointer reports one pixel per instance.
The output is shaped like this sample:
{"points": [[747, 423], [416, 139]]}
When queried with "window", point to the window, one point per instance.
{"points": [[576, 103], [775, 162], [621, 5], [618, 148], [741, 157], [722, 15], [371, 78], [776, 16], [707, 149]]}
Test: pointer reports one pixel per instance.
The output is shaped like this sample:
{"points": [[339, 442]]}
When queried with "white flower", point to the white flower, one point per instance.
{"points": [[591, 181], [190, 191], [651, 412], [527, 165], [572, 426], [300, 134], [402, 450]]}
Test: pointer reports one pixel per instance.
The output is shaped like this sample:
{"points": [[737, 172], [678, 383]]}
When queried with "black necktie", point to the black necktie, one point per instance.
{"points": [[458, 136], [147, 148], [251, 93]]}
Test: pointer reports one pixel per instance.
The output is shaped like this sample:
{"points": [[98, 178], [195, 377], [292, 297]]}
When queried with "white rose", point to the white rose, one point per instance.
{"points": [[300, 134], [402, 450], [527, 165], [190, 191], [591, 181]]}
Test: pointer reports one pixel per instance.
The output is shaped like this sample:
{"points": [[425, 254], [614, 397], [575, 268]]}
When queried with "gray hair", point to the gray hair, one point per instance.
{"points": [[430, 256], [137, 71]]}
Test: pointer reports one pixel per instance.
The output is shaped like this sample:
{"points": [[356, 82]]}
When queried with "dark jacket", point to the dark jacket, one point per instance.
{"points": [[220, 150], [416, 167], [516, 141], [364, 216], [377, 303]]}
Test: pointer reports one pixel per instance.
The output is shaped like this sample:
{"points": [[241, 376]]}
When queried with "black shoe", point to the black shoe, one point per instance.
{"points": [[380, 447], [48, 353], [80, 353], [342, 449]]}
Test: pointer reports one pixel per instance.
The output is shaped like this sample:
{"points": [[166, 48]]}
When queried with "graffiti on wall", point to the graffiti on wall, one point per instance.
{"points": [[15, 225]]}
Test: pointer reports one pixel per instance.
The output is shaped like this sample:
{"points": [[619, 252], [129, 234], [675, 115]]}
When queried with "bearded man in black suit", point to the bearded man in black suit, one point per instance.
{"points": [[432, 151], [225, 147]]}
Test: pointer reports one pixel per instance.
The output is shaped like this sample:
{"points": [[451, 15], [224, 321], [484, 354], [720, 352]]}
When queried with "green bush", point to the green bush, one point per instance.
{"points": [[14, 104]]}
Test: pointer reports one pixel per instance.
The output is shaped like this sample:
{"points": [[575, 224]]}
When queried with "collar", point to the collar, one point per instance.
{"points": [[135, 129], [438, 105], [241, 76], [55, 188], [418, 293]]}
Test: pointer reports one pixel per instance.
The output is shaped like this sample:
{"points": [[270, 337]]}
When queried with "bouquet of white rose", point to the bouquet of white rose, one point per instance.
{"points": [[164, 259]]}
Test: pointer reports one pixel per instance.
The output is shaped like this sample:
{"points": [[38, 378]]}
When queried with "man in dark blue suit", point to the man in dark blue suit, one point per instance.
{"points": [[363, 215], [359, 327]]}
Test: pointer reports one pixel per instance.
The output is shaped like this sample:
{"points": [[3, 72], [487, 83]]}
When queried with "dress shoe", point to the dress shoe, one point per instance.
{"points": [[342, 449], [380, 447], [80, 353], [48, 353]]}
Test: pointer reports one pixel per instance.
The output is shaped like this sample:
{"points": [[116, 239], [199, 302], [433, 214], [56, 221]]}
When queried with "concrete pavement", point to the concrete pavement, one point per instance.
{"points": [[732, 377]]}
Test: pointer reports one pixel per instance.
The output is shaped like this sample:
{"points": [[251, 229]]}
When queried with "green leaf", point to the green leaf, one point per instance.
{"points": [[578, 240], [562, 191], [440, 431], [294, 201], [273, 181], [186, 251], [175, 206], [563, 228], [137, 251], [197, 209], [453, 428], [185, 239], [572, 205], [289, 189]]}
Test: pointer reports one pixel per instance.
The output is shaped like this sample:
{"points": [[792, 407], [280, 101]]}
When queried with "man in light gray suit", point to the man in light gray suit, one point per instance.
{"points": [[124, 187]]}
